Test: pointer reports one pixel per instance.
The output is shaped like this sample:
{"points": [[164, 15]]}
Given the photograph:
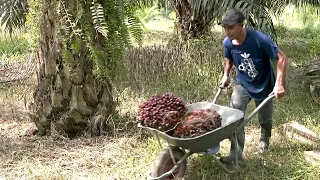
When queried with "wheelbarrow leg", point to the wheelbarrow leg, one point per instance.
{"points": [[163, 175], [159, 141], [236, 158], [237, 150], [222, 165], [172, 157], [170, 150]]}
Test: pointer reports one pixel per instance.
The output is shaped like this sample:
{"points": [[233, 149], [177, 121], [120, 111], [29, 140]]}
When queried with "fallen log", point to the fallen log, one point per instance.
{"points": [[312, 78]]}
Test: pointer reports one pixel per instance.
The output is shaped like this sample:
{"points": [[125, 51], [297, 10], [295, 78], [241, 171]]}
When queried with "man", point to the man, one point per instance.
{"points": [[250, 51]]}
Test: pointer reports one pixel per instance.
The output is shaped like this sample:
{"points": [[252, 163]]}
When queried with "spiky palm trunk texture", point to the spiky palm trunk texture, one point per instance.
{"points": [[69, 99]]}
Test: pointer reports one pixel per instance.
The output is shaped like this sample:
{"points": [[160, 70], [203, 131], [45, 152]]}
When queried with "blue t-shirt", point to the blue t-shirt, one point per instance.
{"points": [[252, 60]]}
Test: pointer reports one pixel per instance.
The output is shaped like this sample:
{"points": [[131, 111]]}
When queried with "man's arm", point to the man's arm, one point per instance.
{"points": [[228, 67], [274, 52], [226, 79], [281, 73]]}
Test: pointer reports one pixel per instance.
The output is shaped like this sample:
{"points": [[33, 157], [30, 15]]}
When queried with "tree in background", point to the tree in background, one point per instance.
{"points": [[195, 17], [80, 44], [80, 48]]}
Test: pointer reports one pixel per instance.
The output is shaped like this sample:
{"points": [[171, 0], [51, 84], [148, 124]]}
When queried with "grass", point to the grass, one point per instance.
{"points": [[13, 48], [284, 161], [128, 154]]}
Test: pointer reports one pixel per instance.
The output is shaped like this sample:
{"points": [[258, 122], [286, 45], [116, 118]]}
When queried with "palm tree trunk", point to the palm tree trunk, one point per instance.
{"points": [[69, 98], [189, 26]]}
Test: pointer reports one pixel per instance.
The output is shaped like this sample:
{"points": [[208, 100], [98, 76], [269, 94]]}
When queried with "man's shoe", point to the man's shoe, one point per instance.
{"points": [[263, 147]]}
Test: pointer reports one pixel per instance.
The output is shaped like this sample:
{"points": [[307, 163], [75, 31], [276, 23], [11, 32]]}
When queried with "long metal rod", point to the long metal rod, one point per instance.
{"points": [[223, 166], [172, 157], [237, 150]]}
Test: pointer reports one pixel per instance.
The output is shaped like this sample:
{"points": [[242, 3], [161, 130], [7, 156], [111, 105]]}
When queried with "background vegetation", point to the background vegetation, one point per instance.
{"points": [[189, 70]]}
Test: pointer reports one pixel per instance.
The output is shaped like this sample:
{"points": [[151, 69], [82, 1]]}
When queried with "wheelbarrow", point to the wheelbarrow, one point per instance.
{"points": [[171, 163]]}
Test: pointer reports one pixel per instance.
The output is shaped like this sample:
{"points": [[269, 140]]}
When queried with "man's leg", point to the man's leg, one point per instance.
{"points": [[265, 115], [239, 100]]}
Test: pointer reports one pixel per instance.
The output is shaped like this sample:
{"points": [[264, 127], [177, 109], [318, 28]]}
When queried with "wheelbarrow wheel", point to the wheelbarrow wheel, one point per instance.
{"points": [[164, 164]]}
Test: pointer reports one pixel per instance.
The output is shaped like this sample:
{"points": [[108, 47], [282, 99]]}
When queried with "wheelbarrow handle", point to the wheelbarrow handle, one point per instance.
{"points": [[217, 95], [246, 120]]}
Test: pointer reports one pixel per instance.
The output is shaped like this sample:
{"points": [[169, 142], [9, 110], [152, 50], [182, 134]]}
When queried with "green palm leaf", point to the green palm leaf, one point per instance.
{"points": [[135, 28], [258, 12], [13, 14], [259, 16]]}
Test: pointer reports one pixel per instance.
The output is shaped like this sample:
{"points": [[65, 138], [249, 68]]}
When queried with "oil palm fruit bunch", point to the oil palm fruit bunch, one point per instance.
{"points": [[161, 111], [197, 123]]}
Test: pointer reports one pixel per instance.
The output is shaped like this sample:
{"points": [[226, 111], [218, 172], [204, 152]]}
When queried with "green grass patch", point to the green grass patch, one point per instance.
{"points": [[13, 48]]}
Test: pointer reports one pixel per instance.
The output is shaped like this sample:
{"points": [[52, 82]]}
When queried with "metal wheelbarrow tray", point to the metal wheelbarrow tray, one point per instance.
{"points": [[230, 121]]}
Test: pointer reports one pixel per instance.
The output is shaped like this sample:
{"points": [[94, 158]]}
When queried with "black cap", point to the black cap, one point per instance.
{"points": [[233, 16]]}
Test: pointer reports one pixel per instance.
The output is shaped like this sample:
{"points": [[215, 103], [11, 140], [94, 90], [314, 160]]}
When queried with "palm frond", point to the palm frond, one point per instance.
{"points": [[137, 4], [258, 12], [258, 15], [315, 3], [135, 28], [98, 17], [275, 7], [13, 14]]}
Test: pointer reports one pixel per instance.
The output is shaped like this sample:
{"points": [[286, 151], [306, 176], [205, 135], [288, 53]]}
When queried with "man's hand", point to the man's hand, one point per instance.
{"points": [[225, 81], [278, 91]]}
